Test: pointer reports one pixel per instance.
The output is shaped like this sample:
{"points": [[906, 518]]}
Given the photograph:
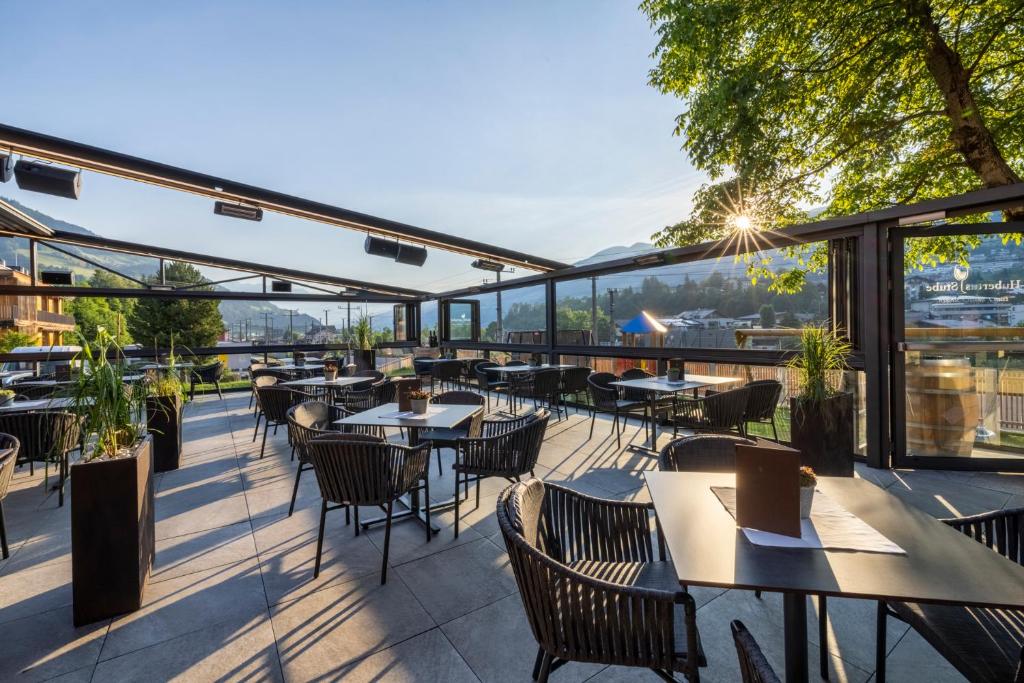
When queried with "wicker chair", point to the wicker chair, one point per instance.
{"points": [[261, 381], [762, 400], [545, 385], [516, 363], [281, 375], [701, 453], [376, 375], [45, 437], [506, 452], [446, 372], [448, 438], [574, 383], [375, 395], [489, 381], [754, 666], [591, 585], [7, 462], [273, 402], [721, 412], [356, 469], [605, 399], [206, 374], [306, 421], [982, 644]]}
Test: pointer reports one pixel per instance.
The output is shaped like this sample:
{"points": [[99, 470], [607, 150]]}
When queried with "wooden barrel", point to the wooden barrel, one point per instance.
{"points": [[942, 407]]}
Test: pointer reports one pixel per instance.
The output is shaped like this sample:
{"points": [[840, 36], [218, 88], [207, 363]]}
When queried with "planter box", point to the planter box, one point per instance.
{"points": [[365, 360], [163, 419], [823, 433], [112, 534]]}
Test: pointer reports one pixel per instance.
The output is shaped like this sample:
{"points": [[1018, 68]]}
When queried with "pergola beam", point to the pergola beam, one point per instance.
{"points": [[171, 293]]}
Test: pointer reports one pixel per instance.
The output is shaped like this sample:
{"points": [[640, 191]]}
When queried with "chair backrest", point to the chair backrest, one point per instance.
{"points": [[281, 375], [265, 381], [33, 392], [377, 375], [359, 469], [602, 393], [701, 453], [1002, 531], [635, 394], [306, 421], [484, 379], [211, 372], [370, 430], [516, 362], [7, 462], [754, 666], [574, 380], [762, 399], [547, 382], [275, 401], [458, 398], [497, 427], [447, 370], [384, 392], [726, 410], [420, 365], [256, 366], [42, 435], [349, 370], [510, 453]]}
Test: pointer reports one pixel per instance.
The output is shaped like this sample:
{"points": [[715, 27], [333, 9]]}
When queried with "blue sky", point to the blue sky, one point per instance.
{"points": [[526, 124]]}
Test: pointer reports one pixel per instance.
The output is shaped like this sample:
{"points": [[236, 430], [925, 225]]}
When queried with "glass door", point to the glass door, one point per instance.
{"points": [[958, 356]]}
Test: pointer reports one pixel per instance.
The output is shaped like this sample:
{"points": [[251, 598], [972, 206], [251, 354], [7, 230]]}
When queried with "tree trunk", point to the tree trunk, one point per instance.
{"points": [[969, 134]]}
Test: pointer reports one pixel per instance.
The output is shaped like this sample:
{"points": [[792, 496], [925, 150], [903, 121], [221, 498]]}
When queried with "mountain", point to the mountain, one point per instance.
{"points": [[14, 252]]}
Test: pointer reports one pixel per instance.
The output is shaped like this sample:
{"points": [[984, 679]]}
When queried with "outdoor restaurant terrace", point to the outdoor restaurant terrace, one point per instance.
{"points": [[579, 496]]}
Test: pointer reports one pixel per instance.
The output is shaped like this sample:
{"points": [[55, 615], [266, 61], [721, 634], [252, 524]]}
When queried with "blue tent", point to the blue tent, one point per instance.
{"points": [[644, 323]]}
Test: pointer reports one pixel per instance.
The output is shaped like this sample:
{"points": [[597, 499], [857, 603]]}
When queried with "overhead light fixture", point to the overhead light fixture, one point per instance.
{"points": [[649, 260], [484, 264], [56, 277], [409, 254], [280, 286], [36, 177], [249, 213], [6, 168]]}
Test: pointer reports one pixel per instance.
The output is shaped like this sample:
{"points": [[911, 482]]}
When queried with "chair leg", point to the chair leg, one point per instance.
{"points": [[387, 544], [219, 393], [355, 512], [823, 636], [457, 498], [320, 538], [880, 647], [618, 433], [478, 492], [426, 506], [439, 472], [256, 432], [251, 396], [295, 489], [775, 432], [593, 419], [537, 661], [3, 533], [545, 668], [266, 428]]}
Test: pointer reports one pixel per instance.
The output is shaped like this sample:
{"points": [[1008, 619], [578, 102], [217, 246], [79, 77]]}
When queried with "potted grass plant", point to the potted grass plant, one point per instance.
{"points": [[821, 413], [165, 401], [363, 355], [112, 527]]}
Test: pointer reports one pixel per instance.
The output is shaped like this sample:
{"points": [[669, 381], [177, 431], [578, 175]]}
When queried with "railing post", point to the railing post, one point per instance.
{"points": [[873, 300]]}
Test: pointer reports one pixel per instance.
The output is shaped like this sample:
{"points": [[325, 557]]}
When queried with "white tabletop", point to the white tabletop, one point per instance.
{"points": [[321, 382], [440, 416], [291, 366], [528, 368], [662, 385], [39, 404]]}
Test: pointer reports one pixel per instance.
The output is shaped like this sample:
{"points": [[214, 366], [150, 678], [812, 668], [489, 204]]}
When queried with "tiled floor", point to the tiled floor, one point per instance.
{"points": [[233, 597]]}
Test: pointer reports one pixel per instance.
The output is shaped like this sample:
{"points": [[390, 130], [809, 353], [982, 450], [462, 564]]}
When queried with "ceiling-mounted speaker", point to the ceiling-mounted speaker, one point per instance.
{"points": [[377, 246], [55, 277], [36, 177], [6, 168], [280, 286], [411, 254]]}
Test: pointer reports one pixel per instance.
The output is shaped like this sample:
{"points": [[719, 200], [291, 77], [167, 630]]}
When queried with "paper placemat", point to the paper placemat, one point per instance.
{"points": [[831, 526]]}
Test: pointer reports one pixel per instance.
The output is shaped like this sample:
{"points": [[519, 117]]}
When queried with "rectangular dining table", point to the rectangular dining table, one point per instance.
{"points": [[322, 382], [438, 416], [659, 386], [940, 565], [43, 404]]}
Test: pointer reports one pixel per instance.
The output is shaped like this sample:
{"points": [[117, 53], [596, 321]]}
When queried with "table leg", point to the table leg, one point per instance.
{"points": [[411, 501], [794, 609], [650, 447]]}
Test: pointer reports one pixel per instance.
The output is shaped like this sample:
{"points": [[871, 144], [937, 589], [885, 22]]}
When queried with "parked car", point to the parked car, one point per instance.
{"points": [[11, 371]]}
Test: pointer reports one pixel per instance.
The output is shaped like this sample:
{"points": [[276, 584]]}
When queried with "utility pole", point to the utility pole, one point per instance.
{"points": [[266, 327], [611, 311], [325, 319], [500, 334], [593, 311]]}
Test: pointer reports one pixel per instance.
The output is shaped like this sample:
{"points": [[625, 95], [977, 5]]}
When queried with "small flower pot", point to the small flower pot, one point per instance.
{"points": [[331, 375], [806, 499], [418, 405], [673, 375]]}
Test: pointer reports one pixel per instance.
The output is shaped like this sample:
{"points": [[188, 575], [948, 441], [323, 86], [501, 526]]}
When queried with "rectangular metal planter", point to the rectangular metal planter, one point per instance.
{"points": [[163, 419], [823, 433], [112, 534]]}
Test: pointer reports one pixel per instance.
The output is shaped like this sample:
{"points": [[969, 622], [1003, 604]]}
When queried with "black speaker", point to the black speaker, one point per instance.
{"points": [[411, 254], [280, 286], [6, 168], [35, 177], [55, 277], [377, 246]]}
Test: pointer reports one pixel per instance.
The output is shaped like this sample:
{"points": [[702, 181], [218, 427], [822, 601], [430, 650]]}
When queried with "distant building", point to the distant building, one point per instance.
{"points": [[41, 317], [994, 310]]}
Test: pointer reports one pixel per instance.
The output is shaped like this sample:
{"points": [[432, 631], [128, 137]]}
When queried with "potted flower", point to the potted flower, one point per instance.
{"points": [[330, 370], [165, 401], [418, 401], [112, 530], [6, 396], [821, 414], [808, 481]]}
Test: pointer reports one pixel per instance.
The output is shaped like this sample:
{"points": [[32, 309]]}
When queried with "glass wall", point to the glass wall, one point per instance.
{"points": [[715, 303], [512, 316]]}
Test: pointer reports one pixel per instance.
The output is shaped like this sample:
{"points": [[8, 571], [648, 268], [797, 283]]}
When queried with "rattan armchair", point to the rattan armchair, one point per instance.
{"points": [[762, 400], [448, 438], [33, 392], [543, 385], [206, 374], [574, 383], [509, 453], [605, 399], [273, 403], [8, 443], [45, 436], [719, 412], [447, 373], [701, 453], [592, 585], [754, 666], [306, 421], [356, 469], [490, 381], [982, 644]]}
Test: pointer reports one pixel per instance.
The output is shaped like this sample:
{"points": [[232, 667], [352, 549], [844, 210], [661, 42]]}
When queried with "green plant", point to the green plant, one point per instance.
{"points": [[418, 395], [12, 339], [167, 382], [820, 362], [6, 394], [807, 477], [112, 410], [362, 332]]}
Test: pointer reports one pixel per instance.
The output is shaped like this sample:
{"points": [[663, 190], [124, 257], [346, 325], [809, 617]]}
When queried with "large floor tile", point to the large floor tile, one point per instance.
{"points": [[913, 659], [196, 552], [426, 657], [210, 514], [46, 645], [34, 590]]}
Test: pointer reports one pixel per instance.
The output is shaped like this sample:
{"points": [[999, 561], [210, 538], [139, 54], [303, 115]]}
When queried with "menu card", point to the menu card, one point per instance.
{"points": [[768, 488]]}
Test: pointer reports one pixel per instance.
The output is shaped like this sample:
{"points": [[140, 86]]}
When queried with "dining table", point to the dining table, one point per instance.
{"points": [[438, 416], [655, 387], [42, 404], [937, 565]]}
